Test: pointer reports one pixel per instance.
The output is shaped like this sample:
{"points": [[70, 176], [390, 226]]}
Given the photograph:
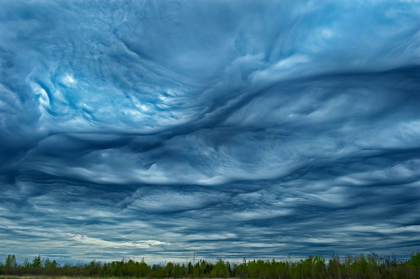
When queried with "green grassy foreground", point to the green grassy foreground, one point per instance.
{"points": [[369, 266], [57, 277]]}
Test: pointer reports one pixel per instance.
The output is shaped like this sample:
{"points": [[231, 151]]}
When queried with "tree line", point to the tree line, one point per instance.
{"points": [[369, 266]]}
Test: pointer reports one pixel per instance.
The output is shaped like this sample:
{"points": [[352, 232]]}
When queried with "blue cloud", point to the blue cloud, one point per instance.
{"points": [[251, 129]]}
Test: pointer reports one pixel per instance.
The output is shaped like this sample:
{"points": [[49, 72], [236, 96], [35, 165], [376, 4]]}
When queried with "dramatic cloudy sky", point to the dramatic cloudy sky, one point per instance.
{"points": [[230, 128]]}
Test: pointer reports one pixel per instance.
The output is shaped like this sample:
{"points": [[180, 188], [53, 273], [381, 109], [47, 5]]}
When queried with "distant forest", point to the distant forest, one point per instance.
{"points": [[369, 266]]}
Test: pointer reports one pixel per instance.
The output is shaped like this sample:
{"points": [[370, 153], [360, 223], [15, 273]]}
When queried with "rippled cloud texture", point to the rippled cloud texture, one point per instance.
{"points": [[230, 128]]}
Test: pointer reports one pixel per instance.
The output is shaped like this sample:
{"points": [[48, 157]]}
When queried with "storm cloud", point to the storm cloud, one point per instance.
{"points": [[233, 129]]}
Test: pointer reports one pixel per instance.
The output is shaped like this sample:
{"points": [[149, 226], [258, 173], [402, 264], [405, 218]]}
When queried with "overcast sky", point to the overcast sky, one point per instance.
{"points": [[230, 128]]}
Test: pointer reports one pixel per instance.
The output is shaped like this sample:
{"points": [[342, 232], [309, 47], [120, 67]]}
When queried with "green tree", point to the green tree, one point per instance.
{"points": [[415, 259], [48, 264], [10, 262], [26, 263], [318, 267], [415, 262], [36, 262]]}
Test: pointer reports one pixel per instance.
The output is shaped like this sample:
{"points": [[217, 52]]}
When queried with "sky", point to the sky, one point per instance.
{"points": [[257, 129]]}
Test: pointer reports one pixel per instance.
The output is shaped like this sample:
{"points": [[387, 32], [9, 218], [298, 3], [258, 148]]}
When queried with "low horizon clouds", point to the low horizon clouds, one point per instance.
{"points": [[232, 129]]}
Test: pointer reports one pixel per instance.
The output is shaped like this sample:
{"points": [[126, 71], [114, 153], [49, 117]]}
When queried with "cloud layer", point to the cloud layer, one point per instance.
{"points": [[232, 129]]}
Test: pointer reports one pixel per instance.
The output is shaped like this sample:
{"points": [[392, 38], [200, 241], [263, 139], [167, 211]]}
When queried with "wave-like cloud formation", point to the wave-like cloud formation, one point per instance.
{"points": [[233, 129]]}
